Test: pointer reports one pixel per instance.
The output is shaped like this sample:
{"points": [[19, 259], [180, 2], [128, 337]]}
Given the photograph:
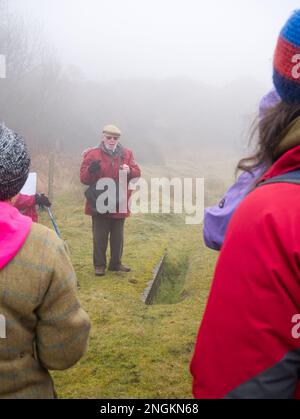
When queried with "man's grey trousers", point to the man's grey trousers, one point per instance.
{"points": [[104, 229]]}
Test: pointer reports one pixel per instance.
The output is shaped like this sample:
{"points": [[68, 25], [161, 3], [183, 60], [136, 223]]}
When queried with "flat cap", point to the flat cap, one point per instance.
{"points": [[112, 130]]}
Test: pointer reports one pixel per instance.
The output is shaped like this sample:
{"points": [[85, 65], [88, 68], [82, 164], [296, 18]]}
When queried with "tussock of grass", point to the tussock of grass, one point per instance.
{"points": [[136, 351], [172, 276]]}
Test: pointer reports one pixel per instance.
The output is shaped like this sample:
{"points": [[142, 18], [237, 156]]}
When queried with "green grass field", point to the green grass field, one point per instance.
{"points": [[137, 351]]}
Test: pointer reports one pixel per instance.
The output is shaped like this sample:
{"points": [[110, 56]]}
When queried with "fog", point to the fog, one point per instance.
{"points": [[179, 77], [212, 41]]}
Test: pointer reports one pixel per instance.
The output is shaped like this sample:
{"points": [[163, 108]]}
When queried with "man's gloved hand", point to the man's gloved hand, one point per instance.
{"points": [[94, 167], [42, 200]]}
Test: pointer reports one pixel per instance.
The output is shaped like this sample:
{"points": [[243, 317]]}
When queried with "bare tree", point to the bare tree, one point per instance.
{"points": [[29, 94]]}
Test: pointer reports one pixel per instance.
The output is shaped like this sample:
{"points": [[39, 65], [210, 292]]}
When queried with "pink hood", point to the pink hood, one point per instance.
{"points": [[14, 230]]}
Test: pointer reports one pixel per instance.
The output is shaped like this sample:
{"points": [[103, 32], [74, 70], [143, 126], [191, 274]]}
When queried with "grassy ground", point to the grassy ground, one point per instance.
{"points": [[136, 351]]}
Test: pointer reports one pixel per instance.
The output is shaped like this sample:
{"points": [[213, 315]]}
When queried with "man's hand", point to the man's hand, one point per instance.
{"points": [[94, 167], [126, 167]]}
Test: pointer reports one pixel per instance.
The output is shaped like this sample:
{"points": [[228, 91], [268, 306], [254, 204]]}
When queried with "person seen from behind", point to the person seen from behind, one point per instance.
{"points": [[27, 204], [42, 325], [247, 347]]}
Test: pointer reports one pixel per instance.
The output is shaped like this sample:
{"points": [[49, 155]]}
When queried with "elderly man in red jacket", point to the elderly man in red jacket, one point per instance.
{"points": [[108, 160]]}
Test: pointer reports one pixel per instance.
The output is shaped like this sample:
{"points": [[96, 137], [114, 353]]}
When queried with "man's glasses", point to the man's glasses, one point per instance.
{"points": [[111, 138]]}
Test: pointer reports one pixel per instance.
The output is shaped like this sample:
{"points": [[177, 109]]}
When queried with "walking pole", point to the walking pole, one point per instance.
{"points": [[53, 222], [59, 236]]}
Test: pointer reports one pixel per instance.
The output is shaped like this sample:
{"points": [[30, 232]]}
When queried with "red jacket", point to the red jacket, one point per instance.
{"points": [[110, 167], [245, 345], [27, 206]]}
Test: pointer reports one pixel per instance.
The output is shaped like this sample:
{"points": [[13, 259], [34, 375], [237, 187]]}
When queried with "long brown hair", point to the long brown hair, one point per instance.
{"points": [[270, 131]]}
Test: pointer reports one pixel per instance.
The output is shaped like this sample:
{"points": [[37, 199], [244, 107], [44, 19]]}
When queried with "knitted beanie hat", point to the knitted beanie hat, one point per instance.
{"points": [[14, 163], [286, 74]]}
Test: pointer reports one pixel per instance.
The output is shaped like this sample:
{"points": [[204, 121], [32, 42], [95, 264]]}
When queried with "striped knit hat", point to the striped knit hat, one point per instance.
{"points": [[286, 75], [14, 163]]}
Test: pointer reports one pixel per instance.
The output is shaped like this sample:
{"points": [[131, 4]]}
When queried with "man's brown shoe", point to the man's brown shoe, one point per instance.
{"points": [[100, 271], [121, 268]]}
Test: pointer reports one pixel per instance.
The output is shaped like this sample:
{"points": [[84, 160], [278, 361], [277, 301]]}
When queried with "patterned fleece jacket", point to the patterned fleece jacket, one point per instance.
{"points": [[42, 326]]}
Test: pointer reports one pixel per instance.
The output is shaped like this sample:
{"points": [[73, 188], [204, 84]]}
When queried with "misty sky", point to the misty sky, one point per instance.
{"points": [[212, 41]]}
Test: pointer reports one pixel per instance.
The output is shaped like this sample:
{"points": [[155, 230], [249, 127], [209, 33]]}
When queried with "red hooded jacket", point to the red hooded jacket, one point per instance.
{"points": [[245, 346], [110, 166], [26, 204]]}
